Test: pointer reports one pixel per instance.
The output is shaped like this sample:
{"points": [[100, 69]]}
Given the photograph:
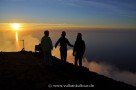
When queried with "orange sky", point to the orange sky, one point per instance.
{"points": [[43, 26]]}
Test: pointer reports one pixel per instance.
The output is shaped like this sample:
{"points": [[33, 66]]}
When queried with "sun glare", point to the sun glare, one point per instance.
{"points": [[16, 26]]}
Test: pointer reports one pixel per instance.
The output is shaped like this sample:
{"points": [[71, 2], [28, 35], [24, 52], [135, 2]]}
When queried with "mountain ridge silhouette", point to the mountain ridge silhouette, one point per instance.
{"points": [[23, 70]]}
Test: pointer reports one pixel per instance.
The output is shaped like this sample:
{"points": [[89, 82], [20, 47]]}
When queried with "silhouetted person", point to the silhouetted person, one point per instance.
{"points": [[79, 49], [46, 45], [63, 45]]}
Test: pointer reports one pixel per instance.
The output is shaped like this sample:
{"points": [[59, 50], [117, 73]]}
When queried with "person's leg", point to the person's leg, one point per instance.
{"points": [[80, 61], [76, 61], [65, 55], [47, 57], [61, 53], [50, 57], [44, 58]]}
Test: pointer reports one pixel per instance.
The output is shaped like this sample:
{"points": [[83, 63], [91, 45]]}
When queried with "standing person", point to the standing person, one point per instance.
{"points": [[46, 45], [63, 46], [79, 49]]}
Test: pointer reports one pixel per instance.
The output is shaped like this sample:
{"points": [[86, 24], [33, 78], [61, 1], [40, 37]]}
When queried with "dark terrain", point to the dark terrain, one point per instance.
{"points": [[23, 71]]}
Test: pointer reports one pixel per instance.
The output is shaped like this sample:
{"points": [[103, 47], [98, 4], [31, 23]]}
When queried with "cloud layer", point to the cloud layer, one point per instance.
{"points": [[8, 42]]}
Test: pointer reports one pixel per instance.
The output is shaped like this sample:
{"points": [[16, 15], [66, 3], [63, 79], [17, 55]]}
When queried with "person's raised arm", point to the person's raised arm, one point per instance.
{"points": [[57, 43], [74, 51], [69, 43]]}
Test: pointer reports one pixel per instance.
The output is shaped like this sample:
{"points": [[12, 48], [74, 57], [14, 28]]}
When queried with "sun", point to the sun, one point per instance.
{"points": [[16, 26]]}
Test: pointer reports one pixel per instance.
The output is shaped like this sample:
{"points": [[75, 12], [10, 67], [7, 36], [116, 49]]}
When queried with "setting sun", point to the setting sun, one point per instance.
{"points": [[16, 26]]}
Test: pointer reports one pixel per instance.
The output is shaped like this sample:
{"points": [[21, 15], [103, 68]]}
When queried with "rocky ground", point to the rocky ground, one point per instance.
{"points": [[23, 70]]}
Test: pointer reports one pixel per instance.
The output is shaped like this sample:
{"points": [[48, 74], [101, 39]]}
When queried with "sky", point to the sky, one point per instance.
{"points": [[86, 13]]}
